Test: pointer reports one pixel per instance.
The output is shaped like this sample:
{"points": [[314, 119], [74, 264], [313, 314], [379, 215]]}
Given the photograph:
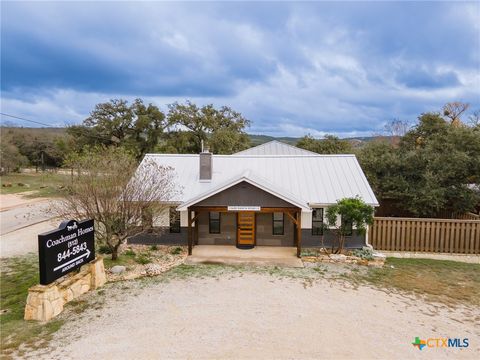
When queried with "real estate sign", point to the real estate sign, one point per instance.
{"points": [[65, 249]]}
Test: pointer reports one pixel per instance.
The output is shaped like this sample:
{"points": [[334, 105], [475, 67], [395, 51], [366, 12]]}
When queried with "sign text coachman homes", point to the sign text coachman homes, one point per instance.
{"points": [[66, 249]]}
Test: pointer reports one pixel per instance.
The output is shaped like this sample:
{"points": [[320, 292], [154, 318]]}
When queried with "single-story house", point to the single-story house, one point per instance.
{"points": [[269, 195]]}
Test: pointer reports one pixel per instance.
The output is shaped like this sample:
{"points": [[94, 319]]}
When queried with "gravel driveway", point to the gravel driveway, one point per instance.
{"points": [[260, 316]]}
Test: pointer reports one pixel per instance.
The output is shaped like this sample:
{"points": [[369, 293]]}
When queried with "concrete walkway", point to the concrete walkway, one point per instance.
{"points": [[258, 256]]}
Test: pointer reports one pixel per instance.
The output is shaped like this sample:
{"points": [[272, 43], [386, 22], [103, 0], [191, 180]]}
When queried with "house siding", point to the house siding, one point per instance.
{"points": [[228, 226], [351, 242], [264, 237], [264, 229], [244, 194], [162, 237]]}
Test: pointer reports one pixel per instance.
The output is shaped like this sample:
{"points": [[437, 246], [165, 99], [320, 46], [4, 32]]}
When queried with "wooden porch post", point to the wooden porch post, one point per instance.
{"points": [[299, 233], [196, 227], [190, 240]]}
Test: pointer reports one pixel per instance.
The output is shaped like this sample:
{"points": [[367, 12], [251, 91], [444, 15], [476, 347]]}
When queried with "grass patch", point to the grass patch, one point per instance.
{"points": [[16, 276], [45, 184], [450, 282]]}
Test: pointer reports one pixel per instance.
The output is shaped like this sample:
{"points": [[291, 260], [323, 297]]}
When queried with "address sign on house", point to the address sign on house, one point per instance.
{"points": [[65, 249], [244, 208]]}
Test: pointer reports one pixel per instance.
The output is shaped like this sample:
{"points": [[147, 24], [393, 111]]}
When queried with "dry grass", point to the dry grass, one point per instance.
{"points": [[449, 282], [47, 184]]}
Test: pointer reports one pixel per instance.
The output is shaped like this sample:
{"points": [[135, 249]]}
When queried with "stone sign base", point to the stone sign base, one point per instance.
{"points": [[46, 301]]}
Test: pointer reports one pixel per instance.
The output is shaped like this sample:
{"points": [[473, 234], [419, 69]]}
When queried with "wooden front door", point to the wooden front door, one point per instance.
{"points": [[246, 229]]}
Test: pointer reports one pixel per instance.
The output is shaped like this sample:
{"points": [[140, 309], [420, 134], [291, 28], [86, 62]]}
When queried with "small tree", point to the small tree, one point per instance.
{"points": [[346, 214], [106, 186]]}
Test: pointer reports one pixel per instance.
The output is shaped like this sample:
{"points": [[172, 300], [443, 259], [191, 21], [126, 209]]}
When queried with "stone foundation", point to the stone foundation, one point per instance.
{"points": [[46, 301]]}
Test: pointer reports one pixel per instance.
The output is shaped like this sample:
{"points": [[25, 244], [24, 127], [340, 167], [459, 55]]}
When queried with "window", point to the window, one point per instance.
{"points": [[214, 222], [278, 225], [317, 221], [348, 228], [174, 221]]}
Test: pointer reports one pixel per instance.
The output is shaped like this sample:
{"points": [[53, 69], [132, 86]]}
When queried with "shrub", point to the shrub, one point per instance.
{"points": [[175, 251], [130, 252], [143, 259], [104, 249], [310, 252], [365, 253], [154, 247]]}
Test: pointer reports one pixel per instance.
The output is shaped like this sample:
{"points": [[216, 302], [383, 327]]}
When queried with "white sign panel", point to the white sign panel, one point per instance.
{"points": [[244, 208]]}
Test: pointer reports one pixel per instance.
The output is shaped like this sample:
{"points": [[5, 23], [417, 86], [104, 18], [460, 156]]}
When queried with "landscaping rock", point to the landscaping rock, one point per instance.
{"points": [[338, 257], [153, 269], [118, 269]]}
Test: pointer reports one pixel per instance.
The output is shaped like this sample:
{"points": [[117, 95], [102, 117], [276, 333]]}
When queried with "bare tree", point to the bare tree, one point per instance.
{"points": [[454, 110], [395, 129], [109, 188], [474, 118]]}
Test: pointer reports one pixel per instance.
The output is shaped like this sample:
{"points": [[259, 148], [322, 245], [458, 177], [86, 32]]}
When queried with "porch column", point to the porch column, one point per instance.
{"points": [[190, 237], [195, 219], [299, 232]]}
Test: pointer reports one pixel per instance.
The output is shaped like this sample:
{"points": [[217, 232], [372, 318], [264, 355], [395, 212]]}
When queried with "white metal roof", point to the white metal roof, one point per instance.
{"points": [[275, 147], [255, 181], [311, 179]]}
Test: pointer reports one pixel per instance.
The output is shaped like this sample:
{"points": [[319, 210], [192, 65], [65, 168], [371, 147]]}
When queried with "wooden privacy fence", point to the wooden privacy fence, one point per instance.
{"points": [[425, 235]]}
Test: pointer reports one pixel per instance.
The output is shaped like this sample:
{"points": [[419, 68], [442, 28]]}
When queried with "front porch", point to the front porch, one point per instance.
{"points": [[258, 256], [244, 229]]}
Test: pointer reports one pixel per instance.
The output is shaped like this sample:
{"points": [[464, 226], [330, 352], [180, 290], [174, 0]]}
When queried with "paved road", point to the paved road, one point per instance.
{"points": [[24, 215], [20, 225]]}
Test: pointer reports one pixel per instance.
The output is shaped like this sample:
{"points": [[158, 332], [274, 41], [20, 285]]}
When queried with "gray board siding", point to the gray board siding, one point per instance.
{"points": [[164, 237], [244, 194], [356, 241]]}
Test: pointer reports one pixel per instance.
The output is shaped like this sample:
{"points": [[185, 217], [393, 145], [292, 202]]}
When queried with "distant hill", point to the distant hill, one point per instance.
{"points": [[261, 139], [254, 138]]}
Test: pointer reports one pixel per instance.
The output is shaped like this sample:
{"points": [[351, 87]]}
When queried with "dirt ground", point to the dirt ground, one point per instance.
{"points": [[260, 316]]}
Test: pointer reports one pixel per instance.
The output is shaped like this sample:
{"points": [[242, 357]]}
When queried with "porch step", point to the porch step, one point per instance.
{"points": [[258, 256]]}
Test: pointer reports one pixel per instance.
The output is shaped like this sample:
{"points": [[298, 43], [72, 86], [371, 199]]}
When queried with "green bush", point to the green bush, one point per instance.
{"points": [[175, 251], [154, 247], [365, 253], [104, 249], [310, 252], [130, 252], [143, 259]]}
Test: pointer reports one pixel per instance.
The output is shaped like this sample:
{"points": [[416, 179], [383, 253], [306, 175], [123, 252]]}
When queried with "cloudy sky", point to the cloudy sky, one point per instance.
{"points": [[292, 68]]}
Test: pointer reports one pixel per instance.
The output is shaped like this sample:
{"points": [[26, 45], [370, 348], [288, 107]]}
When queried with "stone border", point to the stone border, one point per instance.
{"points": [[377, 261], [47, 301]]}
